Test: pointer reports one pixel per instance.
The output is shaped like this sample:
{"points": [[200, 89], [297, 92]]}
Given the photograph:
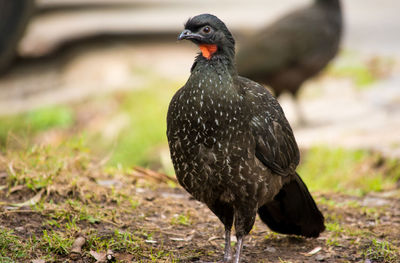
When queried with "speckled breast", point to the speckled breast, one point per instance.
{"points": [[207, 135]]}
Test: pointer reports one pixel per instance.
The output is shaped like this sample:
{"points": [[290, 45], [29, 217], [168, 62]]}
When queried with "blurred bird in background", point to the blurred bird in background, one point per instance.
{"points": [[293, 49]]}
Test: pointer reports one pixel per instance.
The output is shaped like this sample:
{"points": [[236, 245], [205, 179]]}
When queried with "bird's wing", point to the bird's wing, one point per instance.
{"points": [[276, 146]]}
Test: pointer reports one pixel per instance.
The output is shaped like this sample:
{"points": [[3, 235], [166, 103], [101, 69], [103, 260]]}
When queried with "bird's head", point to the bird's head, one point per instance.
{"points": [[210, 34]]}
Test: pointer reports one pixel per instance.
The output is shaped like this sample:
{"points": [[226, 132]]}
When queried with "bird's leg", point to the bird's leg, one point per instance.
{"points": [[239, 246], [300, 119], [228, 250]]}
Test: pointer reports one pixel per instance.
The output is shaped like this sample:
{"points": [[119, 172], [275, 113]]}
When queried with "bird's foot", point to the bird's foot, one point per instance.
{"points": [[227, 259]]}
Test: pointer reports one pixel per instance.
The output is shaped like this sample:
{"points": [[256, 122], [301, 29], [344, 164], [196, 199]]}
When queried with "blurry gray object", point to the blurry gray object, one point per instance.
{"points": [[294, 48], [14, 17]]}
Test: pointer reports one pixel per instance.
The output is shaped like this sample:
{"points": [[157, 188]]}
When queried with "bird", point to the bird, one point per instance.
{"points": [[231, 145], [294, 48]]}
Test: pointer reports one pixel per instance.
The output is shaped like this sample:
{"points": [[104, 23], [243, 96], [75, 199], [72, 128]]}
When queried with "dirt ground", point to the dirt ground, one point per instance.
{"points": [[359, 229]]}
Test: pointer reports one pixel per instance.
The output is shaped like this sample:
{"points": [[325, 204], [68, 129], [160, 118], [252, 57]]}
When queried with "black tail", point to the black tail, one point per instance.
{"points": [[293, 211]]}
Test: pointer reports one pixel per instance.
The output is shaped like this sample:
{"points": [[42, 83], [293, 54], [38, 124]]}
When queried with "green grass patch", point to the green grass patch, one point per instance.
{"points": [[146, 130], [130, 132], [11, 246], [30, 123], [56, 242], [37, 167], [357, 71], [348, 171], [381, 251], [363, 72], [181, 219]]}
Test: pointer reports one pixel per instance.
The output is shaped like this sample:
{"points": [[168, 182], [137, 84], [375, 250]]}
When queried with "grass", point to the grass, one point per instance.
{"points": [[11, 247], [70, 203], [347, 171], [363, 72], [128, 128], [380, 251], [29, 124], [146, 130], [181, 219], [56, 242]]}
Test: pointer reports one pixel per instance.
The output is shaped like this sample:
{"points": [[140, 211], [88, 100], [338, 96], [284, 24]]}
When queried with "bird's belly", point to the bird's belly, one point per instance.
{"points": [[226, 172], [202, 171]]}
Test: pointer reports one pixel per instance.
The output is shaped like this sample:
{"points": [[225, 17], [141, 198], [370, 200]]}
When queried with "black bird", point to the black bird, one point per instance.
{"points": [[231, 145], [293, 49]]}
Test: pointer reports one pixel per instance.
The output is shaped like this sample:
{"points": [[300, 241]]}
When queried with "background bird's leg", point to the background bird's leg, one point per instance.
{"points": [[300, 119], [239, 246], [228, 250]]}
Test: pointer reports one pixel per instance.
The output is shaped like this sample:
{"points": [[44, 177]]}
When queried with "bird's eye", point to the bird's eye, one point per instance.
{"points": [[206, 29]]}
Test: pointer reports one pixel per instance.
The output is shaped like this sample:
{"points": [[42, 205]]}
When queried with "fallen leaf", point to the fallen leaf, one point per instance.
{"points": [[38, 261], [314, 251], [177, 239], [123, 257], [16, 188], [213, 238], [31, 201], [99, 256]]}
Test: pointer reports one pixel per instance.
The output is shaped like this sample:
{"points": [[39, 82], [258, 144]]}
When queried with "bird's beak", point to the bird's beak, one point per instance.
{"points": [[187, 34]]}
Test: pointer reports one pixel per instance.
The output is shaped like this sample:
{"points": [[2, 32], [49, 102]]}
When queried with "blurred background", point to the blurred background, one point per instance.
{"points": [[103, 72]]}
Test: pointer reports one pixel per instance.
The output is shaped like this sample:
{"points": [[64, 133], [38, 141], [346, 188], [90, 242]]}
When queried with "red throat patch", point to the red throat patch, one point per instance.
{"points": [[207, 50]]}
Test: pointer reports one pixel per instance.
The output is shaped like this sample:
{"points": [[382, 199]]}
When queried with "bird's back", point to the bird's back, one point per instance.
{"points": [[293, 48]]}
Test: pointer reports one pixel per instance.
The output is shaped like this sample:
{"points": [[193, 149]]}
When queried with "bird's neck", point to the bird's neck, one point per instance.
{"points": [[218, 61], [333, 12], [331, 4], [213, 76]]}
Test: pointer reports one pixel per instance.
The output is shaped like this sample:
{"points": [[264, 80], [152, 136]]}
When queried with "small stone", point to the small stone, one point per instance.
{"points": [[20, 228], [270, 249]]}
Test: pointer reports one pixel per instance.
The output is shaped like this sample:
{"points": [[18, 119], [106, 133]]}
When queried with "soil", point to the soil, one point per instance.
{"points": [[353, 224]]}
